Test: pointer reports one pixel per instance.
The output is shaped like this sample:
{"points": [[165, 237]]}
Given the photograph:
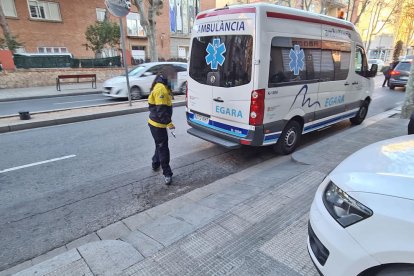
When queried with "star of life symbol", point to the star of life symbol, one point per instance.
{"points": [[215, 53], [296, 63]]}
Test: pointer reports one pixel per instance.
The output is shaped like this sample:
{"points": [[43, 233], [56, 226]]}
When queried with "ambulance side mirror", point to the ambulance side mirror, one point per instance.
{"points": [[373, 71]]}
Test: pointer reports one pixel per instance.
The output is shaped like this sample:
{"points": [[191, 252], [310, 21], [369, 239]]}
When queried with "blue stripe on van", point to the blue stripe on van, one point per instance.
{"points": [[232, 130], [272, 137], [330, 121]]}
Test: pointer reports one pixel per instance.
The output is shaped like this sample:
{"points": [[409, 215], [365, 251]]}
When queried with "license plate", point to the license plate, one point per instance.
{"points": [[403, 78], [201, 118]]}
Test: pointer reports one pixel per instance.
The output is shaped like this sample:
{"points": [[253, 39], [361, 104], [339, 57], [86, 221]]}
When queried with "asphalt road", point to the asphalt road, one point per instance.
{"points": [[60, 183]]}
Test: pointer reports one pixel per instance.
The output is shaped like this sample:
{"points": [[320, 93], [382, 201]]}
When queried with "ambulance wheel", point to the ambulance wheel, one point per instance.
{"points": [[290, 138], [136, 93], [360, 116]]}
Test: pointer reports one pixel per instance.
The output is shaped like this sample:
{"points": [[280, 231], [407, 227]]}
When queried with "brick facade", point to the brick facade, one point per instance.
{"points": [[76, 16]]}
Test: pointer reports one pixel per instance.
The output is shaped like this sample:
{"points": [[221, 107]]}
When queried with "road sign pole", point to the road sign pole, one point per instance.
{"points": [[124, 58]]}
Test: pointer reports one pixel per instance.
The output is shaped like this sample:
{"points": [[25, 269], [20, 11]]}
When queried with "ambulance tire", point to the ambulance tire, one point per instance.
{"points": [[360, 116], [290, 138]]}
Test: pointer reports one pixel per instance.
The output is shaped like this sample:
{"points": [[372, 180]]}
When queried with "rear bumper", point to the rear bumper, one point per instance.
{"points": [[395, 82], [214, 135]]}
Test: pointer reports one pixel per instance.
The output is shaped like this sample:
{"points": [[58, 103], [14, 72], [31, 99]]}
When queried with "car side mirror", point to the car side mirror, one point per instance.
{"points": [[146, 74], [373, 71]]}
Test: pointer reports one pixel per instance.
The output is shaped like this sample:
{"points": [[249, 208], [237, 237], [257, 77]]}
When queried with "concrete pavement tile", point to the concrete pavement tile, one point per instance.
{"points": [[113, 231], [196, 214], [168, 207], [62, 260], [220, 184], [234, 224], [221, 202], [135, 221], [81, 241], [74, 269], [257, 169], [240, 190], [167, 230], [144, 244], [289, 247], [109, 257], [49, 255], [198, 194], [17, 268]]}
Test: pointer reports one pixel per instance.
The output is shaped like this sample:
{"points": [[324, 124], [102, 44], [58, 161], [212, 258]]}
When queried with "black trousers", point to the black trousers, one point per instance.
{"points": [[386, 80], [162, 152]]}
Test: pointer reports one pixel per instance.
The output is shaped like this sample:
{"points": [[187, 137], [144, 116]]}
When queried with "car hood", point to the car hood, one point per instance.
{"points": [[115, 80], [386, 167]]}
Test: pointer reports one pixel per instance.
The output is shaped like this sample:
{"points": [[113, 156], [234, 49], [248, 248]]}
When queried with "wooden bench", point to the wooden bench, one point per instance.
{"points": [[92, 77]]}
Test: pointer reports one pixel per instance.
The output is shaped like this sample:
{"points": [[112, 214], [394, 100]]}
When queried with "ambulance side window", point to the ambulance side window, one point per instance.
{"points": [[361, 65], [336, 58], [294, 61]]}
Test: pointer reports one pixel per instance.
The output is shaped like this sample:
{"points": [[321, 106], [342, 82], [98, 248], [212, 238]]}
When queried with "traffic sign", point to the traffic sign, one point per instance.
{"points": [[118, 8]]}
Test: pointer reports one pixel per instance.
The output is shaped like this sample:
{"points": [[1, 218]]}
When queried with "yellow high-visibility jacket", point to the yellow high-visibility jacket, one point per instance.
{"points": [[160, 106]]}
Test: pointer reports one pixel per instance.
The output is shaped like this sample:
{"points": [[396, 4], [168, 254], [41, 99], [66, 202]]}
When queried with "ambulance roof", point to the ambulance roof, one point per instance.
{"points": [[277, 11]]}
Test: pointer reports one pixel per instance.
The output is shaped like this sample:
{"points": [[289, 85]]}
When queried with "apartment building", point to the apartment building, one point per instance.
{"points": [[58, 26]]}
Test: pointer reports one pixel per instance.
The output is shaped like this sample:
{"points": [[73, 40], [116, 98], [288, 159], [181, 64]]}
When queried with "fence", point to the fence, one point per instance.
{"points": [[64, 61]]}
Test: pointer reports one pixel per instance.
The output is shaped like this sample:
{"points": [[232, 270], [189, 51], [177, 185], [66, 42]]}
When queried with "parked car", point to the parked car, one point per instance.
{"points": [[399, 75], [141, 78], [376, 61], [362, 216]]}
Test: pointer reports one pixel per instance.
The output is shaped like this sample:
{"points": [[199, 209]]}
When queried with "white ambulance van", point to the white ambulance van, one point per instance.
{"points": [[262, 74]]}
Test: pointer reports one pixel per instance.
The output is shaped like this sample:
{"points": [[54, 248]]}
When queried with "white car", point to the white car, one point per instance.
{"points": [[376, 61], [362, 217], [141, 78]]}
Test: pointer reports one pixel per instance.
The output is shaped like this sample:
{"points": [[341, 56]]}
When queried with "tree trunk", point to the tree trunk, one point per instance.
{"points": [[3, 24], [408, 106], [149, 24]]}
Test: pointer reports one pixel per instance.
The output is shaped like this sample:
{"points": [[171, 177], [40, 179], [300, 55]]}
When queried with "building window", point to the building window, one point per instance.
{"points": [[182, 15], [52, 50], [44, 10], [100, 14], [9, 8], [134, 26]]}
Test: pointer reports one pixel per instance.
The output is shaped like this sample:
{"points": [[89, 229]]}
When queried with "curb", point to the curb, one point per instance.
{"points": [[53, 122]]}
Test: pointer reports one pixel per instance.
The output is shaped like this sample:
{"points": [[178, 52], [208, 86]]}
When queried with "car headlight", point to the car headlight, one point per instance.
{"points": [[342, 207]]}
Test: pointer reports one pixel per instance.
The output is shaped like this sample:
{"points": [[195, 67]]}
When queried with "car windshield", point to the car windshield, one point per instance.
{"points": [[136, 71], [403, 66]]}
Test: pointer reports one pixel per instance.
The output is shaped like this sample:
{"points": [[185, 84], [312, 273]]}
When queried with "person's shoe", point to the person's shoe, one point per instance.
{"points": [[168, 180]]}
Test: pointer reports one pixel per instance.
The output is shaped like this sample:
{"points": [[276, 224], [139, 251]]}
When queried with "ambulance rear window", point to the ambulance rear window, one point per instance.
{"points": [[224, 61]]}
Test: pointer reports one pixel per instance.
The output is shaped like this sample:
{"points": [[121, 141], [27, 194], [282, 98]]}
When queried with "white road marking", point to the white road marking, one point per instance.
{"points": [[37, 163], [80, 101]]}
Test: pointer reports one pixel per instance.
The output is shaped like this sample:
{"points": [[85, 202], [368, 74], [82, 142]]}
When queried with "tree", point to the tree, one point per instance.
{"points": [[378, 21], [356, 8], [148, 22], [397, 50], [9, 41], [407, 23], [408, 106], [102, 35]]}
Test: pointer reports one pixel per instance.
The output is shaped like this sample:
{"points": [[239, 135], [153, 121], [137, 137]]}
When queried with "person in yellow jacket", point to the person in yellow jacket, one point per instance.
{"points": [[160, 107]]}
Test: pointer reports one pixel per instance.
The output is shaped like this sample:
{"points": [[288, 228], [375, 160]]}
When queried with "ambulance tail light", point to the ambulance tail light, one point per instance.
{"points": [[257, 107]]}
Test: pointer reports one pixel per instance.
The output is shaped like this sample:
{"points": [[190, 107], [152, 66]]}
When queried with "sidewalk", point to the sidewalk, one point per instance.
{"points": [[13, 94], [71, 115], [250, 223]]}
